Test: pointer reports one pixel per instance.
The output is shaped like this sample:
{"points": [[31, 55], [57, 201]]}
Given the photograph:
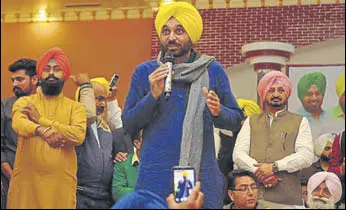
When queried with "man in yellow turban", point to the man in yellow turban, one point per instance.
{"points": [[338, 112], [178, 123], [49, 126], [95, 156]]}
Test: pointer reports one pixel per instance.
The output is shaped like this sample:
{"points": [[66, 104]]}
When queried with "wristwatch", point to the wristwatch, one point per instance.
{"points": [[275, 167]]}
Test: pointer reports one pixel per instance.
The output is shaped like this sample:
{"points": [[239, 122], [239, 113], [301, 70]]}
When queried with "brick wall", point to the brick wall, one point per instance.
{"points": [[227, 30]]}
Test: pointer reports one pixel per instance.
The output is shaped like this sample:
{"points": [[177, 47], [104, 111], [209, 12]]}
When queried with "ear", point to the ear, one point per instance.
{"points": [[34, 80], [231, 194]]}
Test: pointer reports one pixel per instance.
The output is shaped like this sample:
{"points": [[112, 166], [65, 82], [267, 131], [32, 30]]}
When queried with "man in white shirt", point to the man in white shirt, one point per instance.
{"points": [[276, 144]]}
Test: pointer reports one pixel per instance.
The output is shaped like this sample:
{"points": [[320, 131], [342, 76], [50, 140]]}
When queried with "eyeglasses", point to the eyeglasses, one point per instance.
{"points": [[246, 188]]}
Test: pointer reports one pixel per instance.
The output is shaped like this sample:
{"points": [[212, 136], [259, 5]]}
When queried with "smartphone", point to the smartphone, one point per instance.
{"points": [[184, 180], [113, 81]]}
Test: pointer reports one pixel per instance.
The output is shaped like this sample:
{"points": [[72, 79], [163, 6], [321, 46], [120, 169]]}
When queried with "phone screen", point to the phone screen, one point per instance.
{"points": [[113, 81], [184, 182]]}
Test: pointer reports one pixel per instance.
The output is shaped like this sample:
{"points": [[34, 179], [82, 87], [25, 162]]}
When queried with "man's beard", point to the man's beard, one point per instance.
{"points": [[184, 49], [19, 92], [100, 109], [325, 158], [315, 202], [52, 89]]}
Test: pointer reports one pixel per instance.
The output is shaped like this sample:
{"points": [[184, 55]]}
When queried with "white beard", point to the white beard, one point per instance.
{"points": [[316, 203]]}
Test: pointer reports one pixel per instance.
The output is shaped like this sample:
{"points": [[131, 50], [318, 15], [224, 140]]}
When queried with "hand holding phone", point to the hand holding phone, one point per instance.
{"points": [[113, 81], [184, 180]]}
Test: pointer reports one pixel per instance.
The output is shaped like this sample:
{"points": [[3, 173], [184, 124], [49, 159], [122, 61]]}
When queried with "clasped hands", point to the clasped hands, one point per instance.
{"points": [[265, 175], [50, 135]]}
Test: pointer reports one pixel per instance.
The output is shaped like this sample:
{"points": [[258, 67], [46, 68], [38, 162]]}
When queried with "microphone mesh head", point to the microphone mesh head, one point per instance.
{"points": [[169, 57]]}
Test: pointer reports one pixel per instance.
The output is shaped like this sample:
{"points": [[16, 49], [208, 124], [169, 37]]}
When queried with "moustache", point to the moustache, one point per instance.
{"points": [[172, 42], [324, 158], [51, 77], [273, 98], [323, 199], [17, 88]]}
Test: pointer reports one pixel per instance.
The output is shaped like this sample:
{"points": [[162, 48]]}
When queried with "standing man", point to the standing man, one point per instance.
{"points": [[24, 81], [179, 130], [276, 144], [95, 156], [49, 126]]}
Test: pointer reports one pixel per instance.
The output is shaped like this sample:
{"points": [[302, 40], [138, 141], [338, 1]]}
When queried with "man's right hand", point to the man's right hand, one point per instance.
{"points": [[6, 169], [195, 200], [53, 138], [157, 81], [80, 78], [120, 157]]}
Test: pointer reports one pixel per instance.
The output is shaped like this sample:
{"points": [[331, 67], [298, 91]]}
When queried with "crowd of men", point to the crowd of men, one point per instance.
{"points": [[86, 152]]}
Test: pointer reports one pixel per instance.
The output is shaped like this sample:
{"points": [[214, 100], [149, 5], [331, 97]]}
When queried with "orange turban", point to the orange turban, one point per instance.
{"points": [[268, 80], [59, 57]]}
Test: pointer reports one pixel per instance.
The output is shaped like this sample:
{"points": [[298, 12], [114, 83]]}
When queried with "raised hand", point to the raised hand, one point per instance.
{"points": [[195, 200], [213, 102], [157, 81], [80, 78]]}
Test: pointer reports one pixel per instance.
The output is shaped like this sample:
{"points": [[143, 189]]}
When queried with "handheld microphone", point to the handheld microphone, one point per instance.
{"points": [[169, 60]]}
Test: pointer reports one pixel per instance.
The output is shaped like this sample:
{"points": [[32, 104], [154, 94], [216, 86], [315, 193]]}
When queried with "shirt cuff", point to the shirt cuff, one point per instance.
{"points": [[281, 165], [45, 122]]}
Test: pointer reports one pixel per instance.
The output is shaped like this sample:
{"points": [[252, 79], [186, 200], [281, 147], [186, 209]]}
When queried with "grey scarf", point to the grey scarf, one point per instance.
{"points": [[196, 74]]}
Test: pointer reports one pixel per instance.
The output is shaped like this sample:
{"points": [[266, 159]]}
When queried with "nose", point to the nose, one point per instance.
{"points": [[250, 192], [15, 83], [171, 36]]}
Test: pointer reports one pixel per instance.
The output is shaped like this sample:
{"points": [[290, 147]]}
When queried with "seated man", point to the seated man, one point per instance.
{"points": [[125, 173], [322, 149], [242, 189], [324, 190]]}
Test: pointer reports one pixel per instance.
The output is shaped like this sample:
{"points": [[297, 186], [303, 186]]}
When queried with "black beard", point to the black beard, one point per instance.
{"points": [[20, 92], [100, 109], [325, 158], [183, 50], [52, 89]]}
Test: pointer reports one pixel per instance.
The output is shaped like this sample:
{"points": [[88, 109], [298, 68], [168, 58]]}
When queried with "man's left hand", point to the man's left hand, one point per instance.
{"points": [[213, 102], [32, 113], [264, 170]]}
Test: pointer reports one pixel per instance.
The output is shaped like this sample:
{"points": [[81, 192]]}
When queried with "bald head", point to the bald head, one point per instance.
{"points": [[100, 97]]}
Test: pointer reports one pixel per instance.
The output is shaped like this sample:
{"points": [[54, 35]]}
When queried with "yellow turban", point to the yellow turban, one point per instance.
{"points": [[101, 80], [250, 107], [340, 85], [186, 14]]}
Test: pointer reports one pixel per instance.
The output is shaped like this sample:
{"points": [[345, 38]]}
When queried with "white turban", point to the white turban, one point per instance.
{"points": [[321, 142], [332, 181]]}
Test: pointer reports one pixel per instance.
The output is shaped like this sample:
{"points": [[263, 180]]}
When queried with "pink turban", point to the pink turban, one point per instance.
{"points": [[332, 181], [268, 80], [59, 57]]}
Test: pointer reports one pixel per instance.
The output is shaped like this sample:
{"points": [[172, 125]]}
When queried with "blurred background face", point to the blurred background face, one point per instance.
{"points": [[23, 84], [327, 151], [174, 38], [244, 195], [52, 79], [305, 195], [313, 100], [321, 198], [100, 97], [276, 96]]}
